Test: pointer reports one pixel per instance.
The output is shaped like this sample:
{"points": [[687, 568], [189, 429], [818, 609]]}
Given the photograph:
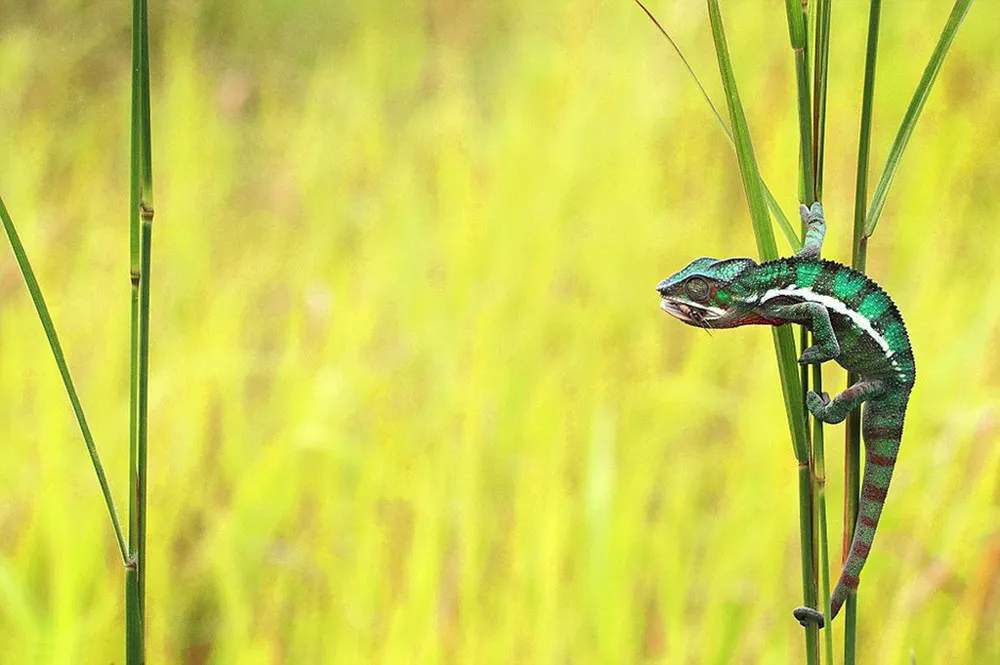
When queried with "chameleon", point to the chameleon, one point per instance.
{"points": [[853, 321]]}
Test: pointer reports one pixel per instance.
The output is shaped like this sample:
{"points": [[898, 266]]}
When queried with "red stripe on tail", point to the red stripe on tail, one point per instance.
{"points": [[873, 493], [881, 460]]}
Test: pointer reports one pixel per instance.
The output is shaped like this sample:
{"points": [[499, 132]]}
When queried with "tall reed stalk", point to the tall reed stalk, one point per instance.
{"points": [[140, 241], [821, 69], [132, 549]]}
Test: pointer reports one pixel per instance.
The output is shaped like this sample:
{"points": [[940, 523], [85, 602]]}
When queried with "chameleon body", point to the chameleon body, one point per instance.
{"points": [[852, 320]]}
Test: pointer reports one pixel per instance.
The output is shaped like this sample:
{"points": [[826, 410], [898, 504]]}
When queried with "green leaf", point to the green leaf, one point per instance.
{"points": [[783, 340], [923, 90]]}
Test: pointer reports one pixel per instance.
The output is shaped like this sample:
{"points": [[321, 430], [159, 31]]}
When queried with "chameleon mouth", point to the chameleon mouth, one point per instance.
{"points": [[689, 313]]}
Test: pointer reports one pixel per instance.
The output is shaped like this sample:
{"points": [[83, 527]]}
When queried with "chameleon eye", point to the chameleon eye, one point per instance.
{"points": [[697, 289]]}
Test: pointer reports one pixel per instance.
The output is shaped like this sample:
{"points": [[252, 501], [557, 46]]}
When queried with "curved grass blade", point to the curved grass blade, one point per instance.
{"points": [[786, 227], [917, 102], [57, 353], [766, 247]]}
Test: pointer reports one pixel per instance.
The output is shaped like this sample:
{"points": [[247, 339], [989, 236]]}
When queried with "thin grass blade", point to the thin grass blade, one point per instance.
{"points": [[772, 203], [57, 353], [920, 95], [784, 342]]}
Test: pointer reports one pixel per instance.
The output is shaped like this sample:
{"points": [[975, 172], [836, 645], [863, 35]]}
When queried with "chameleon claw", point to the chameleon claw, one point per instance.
{"points": [[811, 213], [813, 355], [822, 398], [807, 615], [817, 403]]}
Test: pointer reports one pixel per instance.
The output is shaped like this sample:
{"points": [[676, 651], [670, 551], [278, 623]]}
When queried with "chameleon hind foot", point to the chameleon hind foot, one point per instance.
{"points": [[807, 615]]}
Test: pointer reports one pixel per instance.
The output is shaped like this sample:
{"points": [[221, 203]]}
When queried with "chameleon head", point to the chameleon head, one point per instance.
{"points": [[703, 293]]}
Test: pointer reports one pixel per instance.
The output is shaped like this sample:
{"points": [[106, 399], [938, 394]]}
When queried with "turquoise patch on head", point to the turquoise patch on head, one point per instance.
{"points": [[725, 270]]}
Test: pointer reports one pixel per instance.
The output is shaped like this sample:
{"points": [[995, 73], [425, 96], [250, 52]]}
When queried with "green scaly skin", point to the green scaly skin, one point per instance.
{"points": [[852, 320]]}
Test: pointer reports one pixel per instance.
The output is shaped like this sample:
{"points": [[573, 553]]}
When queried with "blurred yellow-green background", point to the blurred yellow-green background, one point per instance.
{"points": [[413, 400]]}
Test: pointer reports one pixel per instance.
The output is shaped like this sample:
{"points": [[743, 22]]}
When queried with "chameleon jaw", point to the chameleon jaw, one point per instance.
{"points": [[695, 315]]}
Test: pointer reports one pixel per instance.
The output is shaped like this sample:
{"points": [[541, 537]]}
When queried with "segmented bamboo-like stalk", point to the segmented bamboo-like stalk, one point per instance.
{"points": [[140, 241], [822, 51]]}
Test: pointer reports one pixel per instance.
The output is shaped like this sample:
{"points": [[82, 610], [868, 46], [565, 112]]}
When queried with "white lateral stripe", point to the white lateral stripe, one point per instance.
{"points": [[832, 303]]}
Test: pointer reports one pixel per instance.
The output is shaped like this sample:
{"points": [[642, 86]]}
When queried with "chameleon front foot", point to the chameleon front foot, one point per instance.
{"points": [[807, 615], [817, 404]]}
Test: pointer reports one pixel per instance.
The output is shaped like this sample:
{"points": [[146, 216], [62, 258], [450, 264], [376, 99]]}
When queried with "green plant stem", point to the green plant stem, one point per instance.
{"points": [[133, 618], [146, 215], [819, 483], [140, 242], [143, 392], [821, 70], [57, 353], [134, 275], [798, 32], [820, 75], [859, 252]]}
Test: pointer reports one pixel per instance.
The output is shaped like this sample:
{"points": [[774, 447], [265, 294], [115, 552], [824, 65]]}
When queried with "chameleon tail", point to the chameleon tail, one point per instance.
{"points": [[882, 426]]}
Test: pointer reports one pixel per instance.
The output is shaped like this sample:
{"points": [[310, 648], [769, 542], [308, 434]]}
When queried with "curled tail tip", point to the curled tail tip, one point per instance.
{"points": [[807, 616]]}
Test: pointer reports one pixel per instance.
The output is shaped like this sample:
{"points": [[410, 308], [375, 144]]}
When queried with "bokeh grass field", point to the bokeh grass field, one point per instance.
{"points": [[413, 400]]}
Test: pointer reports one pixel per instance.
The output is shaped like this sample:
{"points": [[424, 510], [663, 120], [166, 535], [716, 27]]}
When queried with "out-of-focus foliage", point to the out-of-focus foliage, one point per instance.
{"points": [[412, 397]]}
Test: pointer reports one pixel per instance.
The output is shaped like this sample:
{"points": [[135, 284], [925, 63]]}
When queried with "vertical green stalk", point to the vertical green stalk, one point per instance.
{"points": [[822, 51], [140, 239], [134, 652], [859, 257], [819, 483], [797, 35], [783, 338], [146, 219], [133, 215], [821, 69], [812, 524]]}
